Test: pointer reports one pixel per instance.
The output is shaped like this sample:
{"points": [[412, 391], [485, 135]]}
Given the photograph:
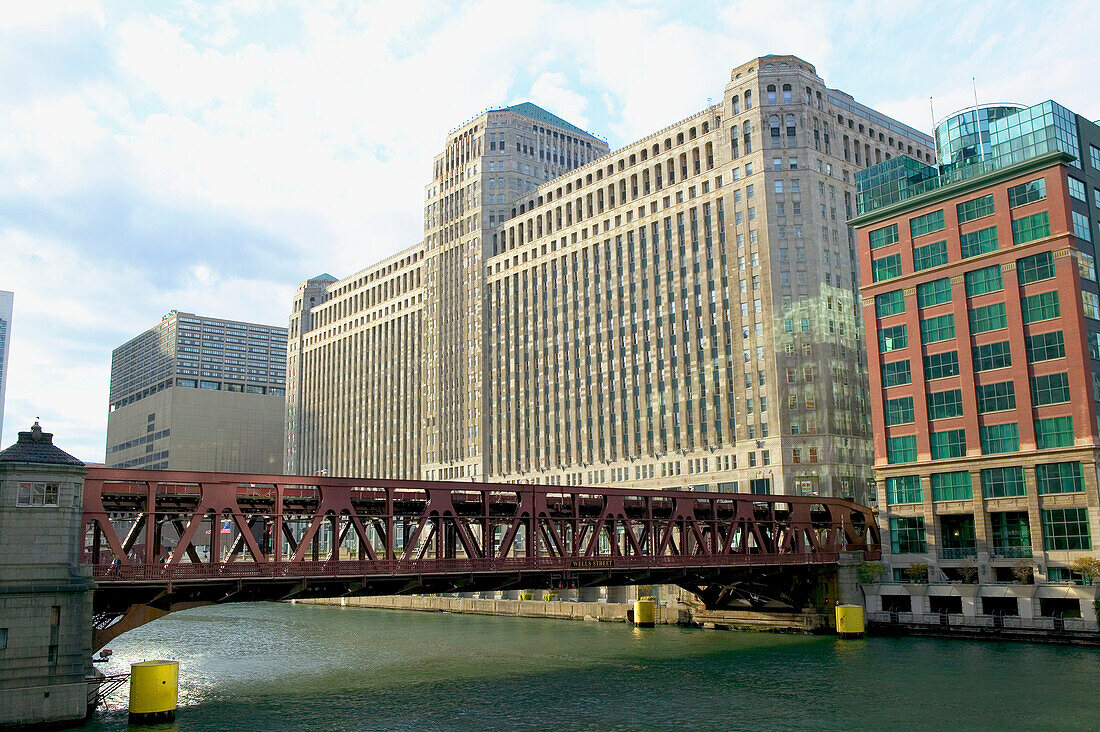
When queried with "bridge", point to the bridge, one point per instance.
{"points": [[160, 541]]}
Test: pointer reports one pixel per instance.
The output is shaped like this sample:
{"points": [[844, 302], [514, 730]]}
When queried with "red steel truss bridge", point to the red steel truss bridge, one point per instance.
{"points": [[160, 541]]}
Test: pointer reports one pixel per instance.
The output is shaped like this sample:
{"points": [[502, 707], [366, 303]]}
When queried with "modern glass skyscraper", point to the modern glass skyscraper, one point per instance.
{"points": [[7, 301]]}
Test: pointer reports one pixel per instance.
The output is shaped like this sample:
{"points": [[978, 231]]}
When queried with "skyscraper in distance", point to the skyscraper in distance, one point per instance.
{"points": [[7, 302]]}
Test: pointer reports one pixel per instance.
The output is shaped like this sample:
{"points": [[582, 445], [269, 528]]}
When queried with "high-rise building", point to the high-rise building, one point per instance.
{"points": [[983, 328], [199, 393], [7, 301], [680, 312]]}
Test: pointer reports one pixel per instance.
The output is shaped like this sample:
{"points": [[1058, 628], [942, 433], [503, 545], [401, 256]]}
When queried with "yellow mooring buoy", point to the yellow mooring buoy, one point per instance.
{"points": [[154, 691], [645, 612]]}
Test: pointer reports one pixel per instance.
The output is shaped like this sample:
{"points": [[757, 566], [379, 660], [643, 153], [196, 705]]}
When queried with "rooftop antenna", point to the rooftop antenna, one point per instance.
{"points": [[977, 124]]}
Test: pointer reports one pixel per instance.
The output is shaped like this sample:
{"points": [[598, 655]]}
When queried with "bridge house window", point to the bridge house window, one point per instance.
{"points": [[38, 494]]}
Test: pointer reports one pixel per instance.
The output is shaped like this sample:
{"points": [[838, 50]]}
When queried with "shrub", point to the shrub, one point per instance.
{"points": [[917, 573], [870, 572]]}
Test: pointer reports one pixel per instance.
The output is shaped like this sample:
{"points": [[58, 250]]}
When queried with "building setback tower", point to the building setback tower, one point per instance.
{"points": [[678, 313], [7, 301], [983, 327], [199, 393]]}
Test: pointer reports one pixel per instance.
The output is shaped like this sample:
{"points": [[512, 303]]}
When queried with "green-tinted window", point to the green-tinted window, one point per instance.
{"points": [[903, 489], [899, 411], [1065, 529], [1003, 482], [970, 210], [947, 444], [944, 404], [1059, 478], [998, 438], [885, 268], [981, 281], [890, 303], [1077, 189], [996, 397], [941, 365], [1034, 268], [926, 224], [1045, 346], [1054, 432], [1040, 306], [978, 242], [896, 373], [907, 535], [992, 356], [935, 292], [939, 328], [1031, 192], [1030, 228], [930, 255], [1049, 389], [891, 339], [988, 317], [951, 486], [883, 237], [901, 449]]}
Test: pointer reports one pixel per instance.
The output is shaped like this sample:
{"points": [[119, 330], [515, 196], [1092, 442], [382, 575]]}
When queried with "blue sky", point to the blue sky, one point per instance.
{"points": [[210, 156]]}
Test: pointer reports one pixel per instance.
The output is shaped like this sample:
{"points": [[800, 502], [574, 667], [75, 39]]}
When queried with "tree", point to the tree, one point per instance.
{"points": [[1024, 573], [1087, 567], [917, 573], [870, 572]]}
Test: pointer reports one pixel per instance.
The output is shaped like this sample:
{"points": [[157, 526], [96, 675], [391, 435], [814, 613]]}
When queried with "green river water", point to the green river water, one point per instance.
{"points": [[268, 667]]}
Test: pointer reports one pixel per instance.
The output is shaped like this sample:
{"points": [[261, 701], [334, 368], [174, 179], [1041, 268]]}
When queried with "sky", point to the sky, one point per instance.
{"points": [[209, 156]]}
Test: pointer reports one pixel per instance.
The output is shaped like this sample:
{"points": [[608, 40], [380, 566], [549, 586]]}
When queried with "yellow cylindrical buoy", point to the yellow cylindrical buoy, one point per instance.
{"points": [[645, 612], [849, 621], [154, 687]]}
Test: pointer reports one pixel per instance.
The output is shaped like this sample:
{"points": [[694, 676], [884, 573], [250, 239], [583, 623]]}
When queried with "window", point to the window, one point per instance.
{"points": [[1077, 189], [1045, 346], [978, 242], [930, 255], [941, 365], [988, 317], [976, 209], [1094, 156], [1081, 228], [885, 268], [935, 292], [1066, 529], [926, 224], [1025, 193], [984, 280], [996, 397], [38, 494], [892, 339], [1059, 478], [1090, 305], [999, 438], [907, 535], [1034, 268], [1030, 228], [901, 449], [939, 328], [953, 486], [884, 236], [992, 356], [1049, 389], [890, 303], [903, 489], [944, 404], [1054, 432], [947, 444], [895, 373], [1041, 306], [1003, 482], [899, 411]]}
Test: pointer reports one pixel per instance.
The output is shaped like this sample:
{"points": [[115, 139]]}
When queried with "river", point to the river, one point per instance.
{"points": [[269, 667]]}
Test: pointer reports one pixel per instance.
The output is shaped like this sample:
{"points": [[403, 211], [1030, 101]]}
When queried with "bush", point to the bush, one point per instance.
{"points": [[917, 573], [870, 572], [1087, 567], [968, 573], [1024, 573], [548, 596], [526, 595]]}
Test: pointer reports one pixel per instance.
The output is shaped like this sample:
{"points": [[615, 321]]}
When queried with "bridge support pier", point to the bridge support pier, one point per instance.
{"points": [[45, 595], [847, 579]]}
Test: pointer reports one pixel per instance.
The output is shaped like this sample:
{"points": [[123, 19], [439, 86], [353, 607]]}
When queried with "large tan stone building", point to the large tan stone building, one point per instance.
{"points": [[199, 393], [681, 312]]}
